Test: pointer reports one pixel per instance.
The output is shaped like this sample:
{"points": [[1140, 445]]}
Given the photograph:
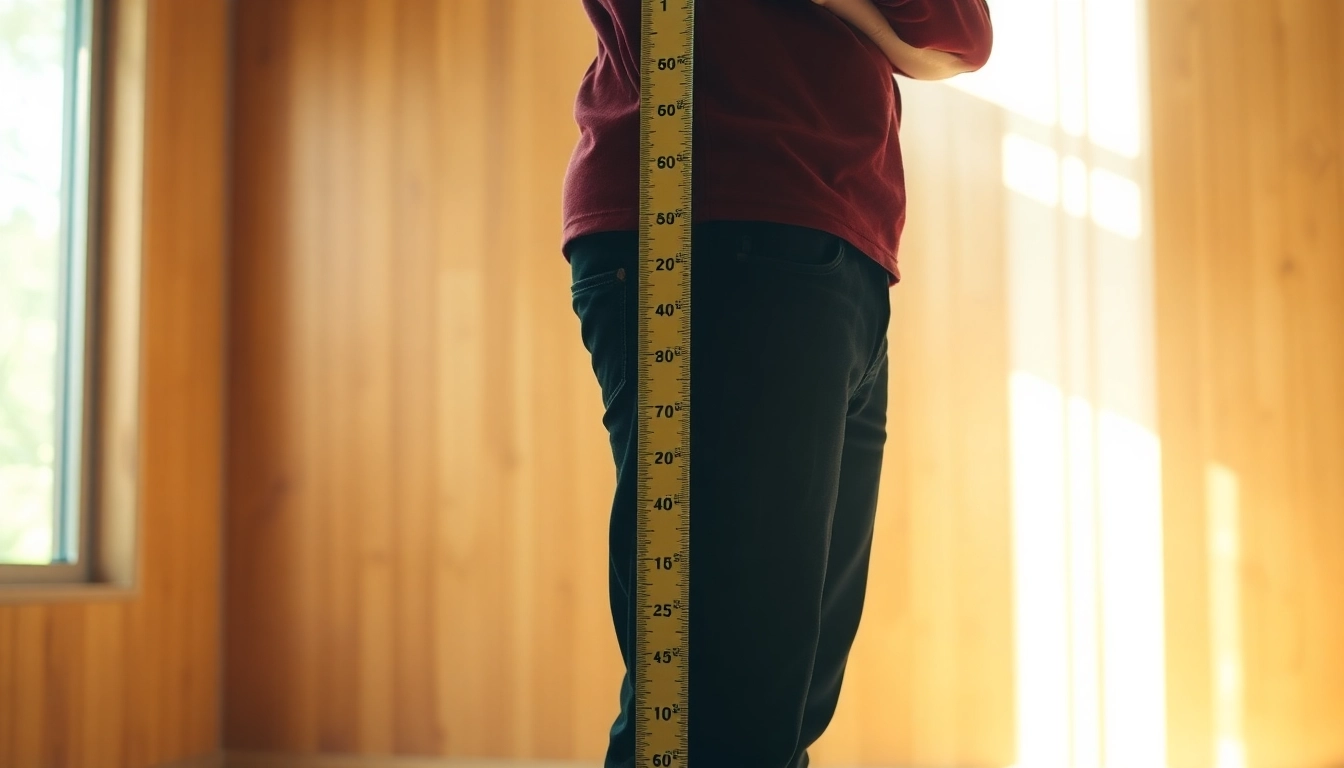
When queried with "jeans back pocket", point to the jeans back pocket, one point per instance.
{"points": [[793, 249], [599, 301]]}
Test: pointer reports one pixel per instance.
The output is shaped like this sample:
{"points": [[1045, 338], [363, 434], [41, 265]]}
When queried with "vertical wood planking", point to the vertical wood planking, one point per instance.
{"points": [[173, 685], [30, 661], [1249, 184], [104, 734], [522, 660], [262, 526], [9, 684], [429, 576], [416, 227], [418, 156]]}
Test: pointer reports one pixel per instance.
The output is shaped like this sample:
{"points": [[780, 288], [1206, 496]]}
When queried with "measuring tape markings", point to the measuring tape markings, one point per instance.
{"points": [[662, 624]]}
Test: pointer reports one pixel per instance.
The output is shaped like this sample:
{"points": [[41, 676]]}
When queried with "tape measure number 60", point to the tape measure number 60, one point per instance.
{"points": [[663, 582]]}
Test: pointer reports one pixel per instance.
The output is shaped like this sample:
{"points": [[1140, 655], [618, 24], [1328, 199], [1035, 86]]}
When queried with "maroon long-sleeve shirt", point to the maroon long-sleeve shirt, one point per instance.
{"points": [[796, 117]]}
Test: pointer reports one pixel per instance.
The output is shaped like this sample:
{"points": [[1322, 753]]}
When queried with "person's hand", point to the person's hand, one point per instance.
{"points": [[917, 63]]}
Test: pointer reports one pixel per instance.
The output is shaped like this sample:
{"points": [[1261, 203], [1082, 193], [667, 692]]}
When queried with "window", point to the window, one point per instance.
{"points": [[45, 364]]}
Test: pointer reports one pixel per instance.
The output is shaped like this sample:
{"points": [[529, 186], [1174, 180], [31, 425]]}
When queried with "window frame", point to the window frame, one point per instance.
{"points": [[105, 454]]}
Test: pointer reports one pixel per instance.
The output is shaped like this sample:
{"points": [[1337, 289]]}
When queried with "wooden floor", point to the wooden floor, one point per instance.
{"points": [[236, 760], [281, 761]]}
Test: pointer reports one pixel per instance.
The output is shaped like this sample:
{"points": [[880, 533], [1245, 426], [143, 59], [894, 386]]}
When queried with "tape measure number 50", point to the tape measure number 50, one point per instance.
{"points": [[663, 582]]}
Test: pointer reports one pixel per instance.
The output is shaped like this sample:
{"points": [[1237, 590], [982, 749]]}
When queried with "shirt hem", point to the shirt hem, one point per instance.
{"points": [[725, 210]]}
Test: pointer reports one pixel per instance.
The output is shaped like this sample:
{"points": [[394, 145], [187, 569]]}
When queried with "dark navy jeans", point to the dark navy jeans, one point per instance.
{"points": [[788, 423]]}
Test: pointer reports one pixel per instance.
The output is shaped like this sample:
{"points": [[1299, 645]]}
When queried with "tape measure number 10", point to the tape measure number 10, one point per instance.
{"points": [[663, 582]]}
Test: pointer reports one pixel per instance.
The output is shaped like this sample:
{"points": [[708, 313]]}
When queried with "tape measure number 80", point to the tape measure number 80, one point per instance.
{"points": [[663, 583]]}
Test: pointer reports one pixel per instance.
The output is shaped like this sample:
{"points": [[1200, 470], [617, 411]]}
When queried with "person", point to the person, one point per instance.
{"points": [[798, 203]]}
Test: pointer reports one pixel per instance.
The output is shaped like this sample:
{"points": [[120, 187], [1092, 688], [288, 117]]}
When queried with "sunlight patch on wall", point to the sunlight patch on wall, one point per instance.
{"points": [[1113, 71], [1021, 73], [1134, 658], [1116, 204], [1224, 547], [1067, 63], [1087, 550], [1040, 557], [1033, 169], [1086, 460]]}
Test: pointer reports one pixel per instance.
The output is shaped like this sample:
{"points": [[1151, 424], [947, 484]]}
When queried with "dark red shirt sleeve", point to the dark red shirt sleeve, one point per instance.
{"points": [[959, 27]]}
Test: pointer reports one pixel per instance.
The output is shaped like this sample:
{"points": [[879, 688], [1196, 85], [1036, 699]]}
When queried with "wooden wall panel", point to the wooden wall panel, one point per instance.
{"points": [[416, 528], [136, 682], [419, 482], [1248, 142]]}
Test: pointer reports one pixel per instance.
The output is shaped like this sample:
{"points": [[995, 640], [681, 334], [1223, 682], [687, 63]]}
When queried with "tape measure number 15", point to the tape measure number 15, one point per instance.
{"points": [[663, 582]]}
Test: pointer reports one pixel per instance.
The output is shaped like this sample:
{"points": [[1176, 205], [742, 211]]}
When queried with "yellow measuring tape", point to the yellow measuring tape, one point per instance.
{"points": [[663, 599]]}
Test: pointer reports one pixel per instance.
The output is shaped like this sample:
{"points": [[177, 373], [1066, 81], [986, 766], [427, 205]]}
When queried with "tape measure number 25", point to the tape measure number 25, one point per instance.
{"points": [[663, 582]]}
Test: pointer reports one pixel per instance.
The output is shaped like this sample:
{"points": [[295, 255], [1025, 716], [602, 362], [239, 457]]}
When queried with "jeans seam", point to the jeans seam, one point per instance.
{"points": [[625, 343], [875, 356]]}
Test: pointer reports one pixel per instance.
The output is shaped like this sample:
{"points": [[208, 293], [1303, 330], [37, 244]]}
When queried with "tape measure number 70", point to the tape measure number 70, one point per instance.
{"points": [[663, 582]]}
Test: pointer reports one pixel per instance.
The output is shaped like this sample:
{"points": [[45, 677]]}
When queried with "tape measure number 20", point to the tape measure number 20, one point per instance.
{"points": [[663, 582]]}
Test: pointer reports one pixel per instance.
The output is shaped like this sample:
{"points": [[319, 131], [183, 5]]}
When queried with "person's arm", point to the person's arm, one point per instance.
{"points": [[923, 39]]}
